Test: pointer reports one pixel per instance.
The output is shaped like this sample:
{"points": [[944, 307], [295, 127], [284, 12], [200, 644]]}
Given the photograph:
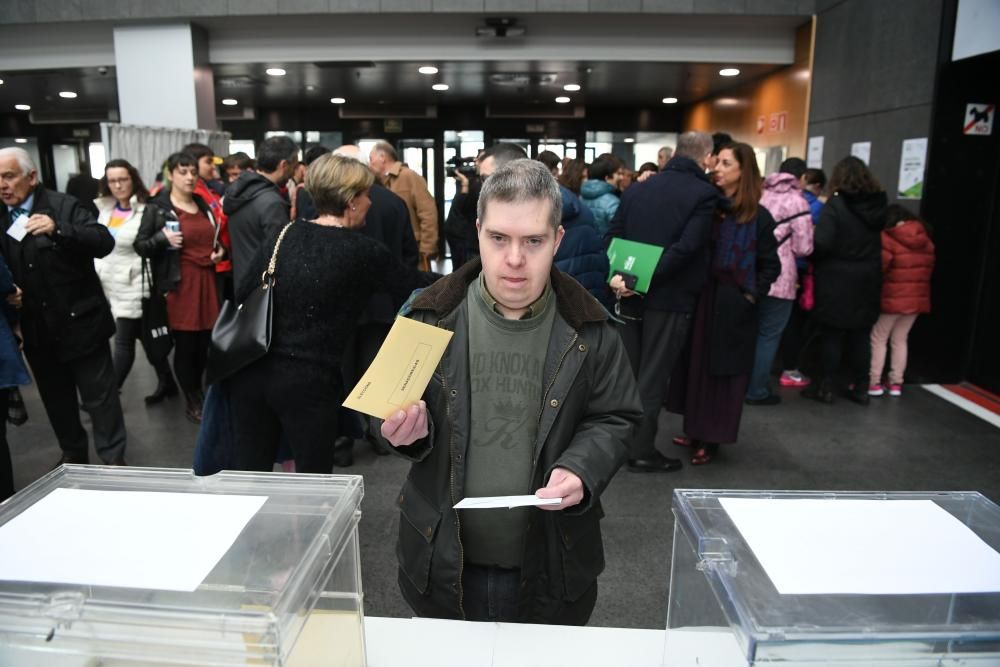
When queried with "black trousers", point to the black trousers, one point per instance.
{"points": [[127, 331], [274, 401], [190, 357], [6, 468], [653, 345], [856, 343], [93, 376]]}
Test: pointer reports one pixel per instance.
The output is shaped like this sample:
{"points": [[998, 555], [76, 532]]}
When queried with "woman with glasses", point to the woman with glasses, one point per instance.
{"points": [[121, 204]]}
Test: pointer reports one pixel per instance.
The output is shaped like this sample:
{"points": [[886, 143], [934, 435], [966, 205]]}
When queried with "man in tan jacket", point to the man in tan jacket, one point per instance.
{"points": [[412, 188]]}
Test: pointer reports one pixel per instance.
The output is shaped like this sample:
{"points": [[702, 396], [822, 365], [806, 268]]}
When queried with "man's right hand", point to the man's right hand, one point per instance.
{"points": [[405, 427], [617, 286]]}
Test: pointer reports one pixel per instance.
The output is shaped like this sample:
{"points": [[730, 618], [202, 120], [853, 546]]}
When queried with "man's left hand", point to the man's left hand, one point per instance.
{"points": [[218, 254], [562, 484], [39, 224]]}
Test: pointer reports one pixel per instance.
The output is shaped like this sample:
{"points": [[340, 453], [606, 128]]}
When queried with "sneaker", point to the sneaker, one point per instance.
{"points": [[895, 390], [876, 390], [793, 379]]}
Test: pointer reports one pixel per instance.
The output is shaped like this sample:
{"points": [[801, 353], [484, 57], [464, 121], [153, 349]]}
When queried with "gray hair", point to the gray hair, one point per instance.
{"points": [[383, 146], [22, 157], [695, 145], [519, 181]]}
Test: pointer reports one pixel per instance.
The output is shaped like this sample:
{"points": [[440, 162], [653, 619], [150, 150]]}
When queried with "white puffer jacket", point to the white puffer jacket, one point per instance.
{"points": [[121, 271]]}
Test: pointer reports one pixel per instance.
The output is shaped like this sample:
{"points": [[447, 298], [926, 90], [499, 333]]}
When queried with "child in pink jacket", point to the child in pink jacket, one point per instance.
{"points": [[783, 198]]}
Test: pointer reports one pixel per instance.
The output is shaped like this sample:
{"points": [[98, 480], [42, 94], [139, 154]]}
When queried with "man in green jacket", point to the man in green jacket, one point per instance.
{"points": [[533, 396]]}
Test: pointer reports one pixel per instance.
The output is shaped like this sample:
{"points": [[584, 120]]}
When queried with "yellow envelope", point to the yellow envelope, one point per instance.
{"points": [[401, 370]]}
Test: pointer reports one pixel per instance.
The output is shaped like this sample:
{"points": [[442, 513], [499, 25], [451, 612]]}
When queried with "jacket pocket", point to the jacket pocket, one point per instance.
{"points": [[418, 524], [582, 550]]}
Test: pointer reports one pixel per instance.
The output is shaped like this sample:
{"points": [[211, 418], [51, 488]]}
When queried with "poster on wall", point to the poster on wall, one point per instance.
{"points": [[862, 150], [911, 168], [814, 153]]}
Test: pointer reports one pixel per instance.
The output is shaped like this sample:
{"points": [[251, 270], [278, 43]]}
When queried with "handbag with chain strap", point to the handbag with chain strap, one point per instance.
{"points": [[242, 334]]}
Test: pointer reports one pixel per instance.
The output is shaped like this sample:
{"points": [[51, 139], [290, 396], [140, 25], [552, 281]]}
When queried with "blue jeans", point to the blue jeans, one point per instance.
{"points": [[772, 316], [490, 593]]}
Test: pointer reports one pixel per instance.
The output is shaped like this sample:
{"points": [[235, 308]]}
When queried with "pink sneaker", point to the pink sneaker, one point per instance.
{"points": [[876, 390], [895, 390], [793, 379]]}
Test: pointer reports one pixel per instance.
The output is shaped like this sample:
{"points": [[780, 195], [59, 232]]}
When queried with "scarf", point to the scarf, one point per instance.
{"points": [[735, 251]]}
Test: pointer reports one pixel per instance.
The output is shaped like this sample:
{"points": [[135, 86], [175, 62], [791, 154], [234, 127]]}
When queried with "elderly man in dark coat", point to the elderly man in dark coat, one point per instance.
{"points": [[50, 245]]}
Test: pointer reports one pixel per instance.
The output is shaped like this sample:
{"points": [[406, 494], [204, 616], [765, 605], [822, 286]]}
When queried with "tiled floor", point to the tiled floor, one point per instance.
{"points": [[916, 442]]}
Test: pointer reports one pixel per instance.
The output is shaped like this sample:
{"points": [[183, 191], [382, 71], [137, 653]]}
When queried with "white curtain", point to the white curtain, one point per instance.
{"points": [[148, 147]]}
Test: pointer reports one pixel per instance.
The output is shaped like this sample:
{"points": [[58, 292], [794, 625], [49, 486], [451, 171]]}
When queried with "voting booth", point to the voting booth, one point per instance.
{"points": [[840, 578], [143, 566]]}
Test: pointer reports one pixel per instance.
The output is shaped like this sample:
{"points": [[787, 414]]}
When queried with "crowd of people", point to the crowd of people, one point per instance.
{"points": [[541, 390]]}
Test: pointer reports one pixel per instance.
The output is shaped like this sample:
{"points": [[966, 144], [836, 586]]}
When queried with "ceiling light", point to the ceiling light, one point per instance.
{"points": [[729, 71], [629, 140], [23, 107], [20, 140], [562, 99], [310, 88], [670, 100], [230, 102], [428, 69], [1, 82], [571, 87], [440, 86], [275, 71], [67, 94], [337, 100]]}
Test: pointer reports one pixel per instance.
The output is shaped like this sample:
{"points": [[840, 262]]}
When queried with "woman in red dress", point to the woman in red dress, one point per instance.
{"points": [[179, 234]]}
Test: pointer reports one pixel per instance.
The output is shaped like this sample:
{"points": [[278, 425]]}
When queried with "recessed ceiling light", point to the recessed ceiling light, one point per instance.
{"points": [[337, 100], [230, 102], [670, 100], [20, 140], [310, 87], [67, 94], [23, 107], [571, 87], [275, 71], [428, 69], [729, 71], [562, 99], [629, 140], [1, 82], [440, 86]]}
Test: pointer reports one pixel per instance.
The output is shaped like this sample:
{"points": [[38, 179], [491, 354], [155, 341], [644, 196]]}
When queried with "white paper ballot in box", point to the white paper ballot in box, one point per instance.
{"points": [[508, 502]]}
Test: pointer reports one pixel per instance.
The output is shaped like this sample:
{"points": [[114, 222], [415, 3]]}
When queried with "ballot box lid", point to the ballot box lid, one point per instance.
{"points": [[249, 605], [820, 604]]}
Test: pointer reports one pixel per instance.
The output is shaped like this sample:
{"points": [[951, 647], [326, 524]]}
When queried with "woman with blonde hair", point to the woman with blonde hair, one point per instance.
{"points": [[325, 272]]}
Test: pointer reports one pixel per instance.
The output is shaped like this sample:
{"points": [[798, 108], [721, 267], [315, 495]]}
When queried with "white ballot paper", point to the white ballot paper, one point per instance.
{"points": [[844, 546], [129, 539], [17, 229], [488, 502]]}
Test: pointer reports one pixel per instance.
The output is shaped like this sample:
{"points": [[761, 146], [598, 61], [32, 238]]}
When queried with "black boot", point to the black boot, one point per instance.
{"points": [[858, 392], [343, 452], [165, 387], [821, 391]]}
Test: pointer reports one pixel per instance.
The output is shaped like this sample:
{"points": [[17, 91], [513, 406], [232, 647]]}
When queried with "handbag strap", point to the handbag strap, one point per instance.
{"points": [[274, 255]]}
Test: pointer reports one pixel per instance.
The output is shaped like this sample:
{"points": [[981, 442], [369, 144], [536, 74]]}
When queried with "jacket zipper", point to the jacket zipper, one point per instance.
{"points": [[541, 409], [454, 501]]}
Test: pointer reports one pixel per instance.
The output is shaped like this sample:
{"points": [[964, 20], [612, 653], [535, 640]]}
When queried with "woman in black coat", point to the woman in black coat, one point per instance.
{"points": [[709, 384], [848, 273]]}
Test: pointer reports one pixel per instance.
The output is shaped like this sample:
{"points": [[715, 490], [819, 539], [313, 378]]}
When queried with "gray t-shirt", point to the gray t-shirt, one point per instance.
{"points": [[506, 362]]}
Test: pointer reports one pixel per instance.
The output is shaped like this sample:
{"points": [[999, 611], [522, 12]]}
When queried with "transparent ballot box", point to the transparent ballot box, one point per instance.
{"points": [[834, 578], [279, 580]]}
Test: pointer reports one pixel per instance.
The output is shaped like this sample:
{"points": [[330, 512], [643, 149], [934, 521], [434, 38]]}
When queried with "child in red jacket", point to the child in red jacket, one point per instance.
{"points": [[907, 264]]}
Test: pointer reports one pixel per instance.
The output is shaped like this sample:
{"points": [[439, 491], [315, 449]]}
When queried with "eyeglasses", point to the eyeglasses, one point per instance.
{"points": [[119, 181]]}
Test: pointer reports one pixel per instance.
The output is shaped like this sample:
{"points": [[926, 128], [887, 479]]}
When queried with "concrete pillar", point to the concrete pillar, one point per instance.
{"points": [[164, 78]]}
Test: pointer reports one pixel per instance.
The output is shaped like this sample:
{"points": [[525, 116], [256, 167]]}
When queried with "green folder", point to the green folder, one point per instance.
{"points": [[631, 258]]}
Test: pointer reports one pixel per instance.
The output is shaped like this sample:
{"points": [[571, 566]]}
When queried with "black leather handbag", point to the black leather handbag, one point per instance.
{"points": [[155, 332], [242, 334]]}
